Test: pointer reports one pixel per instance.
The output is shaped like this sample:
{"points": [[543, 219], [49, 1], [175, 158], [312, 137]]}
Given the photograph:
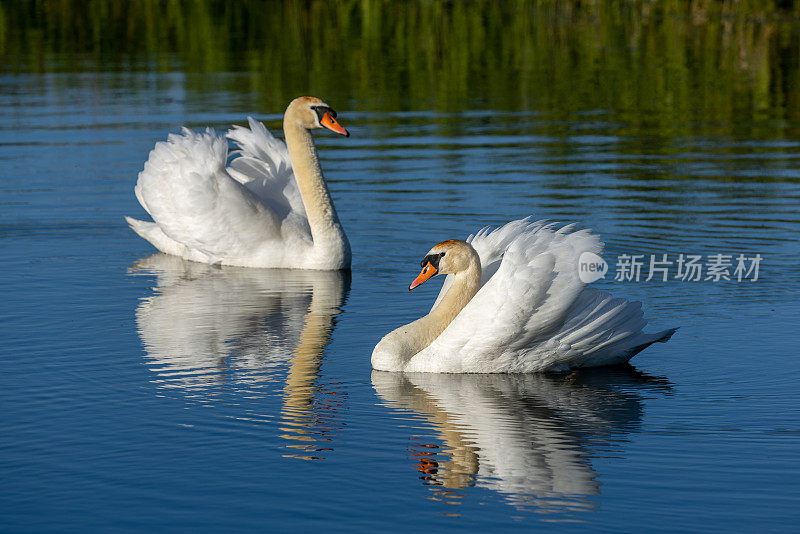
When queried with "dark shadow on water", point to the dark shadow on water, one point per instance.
{"points": [[529, 437], [213, 333]]}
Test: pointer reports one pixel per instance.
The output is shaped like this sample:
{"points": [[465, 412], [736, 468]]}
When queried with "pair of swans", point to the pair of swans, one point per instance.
{"points": [[512, 302]]}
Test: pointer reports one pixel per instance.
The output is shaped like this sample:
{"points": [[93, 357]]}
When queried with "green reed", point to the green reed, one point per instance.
{"points": [[664, 63]]}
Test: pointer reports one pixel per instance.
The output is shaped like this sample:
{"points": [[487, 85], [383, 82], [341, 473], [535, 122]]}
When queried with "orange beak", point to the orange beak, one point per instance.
{"points": [[427, 272], [331, 124]]}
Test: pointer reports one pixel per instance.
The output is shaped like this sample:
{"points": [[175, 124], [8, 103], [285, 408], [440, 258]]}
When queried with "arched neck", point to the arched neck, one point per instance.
{"points": [[422, 332], [326, 230], [465, 285]]}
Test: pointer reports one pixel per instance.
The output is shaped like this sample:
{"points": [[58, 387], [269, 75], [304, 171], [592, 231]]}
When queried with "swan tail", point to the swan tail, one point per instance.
{"points": [[153, 234], [659, 337], [621, 348], [140, 227]]}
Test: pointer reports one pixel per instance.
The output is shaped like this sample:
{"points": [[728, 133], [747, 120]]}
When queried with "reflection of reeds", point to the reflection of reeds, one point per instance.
{"points": [[662, 61]]}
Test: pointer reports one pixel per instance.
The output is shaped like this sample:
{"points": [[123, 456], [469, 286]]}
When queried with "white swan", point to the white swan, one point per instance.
{"points": [[513, 303], [269, 208]]}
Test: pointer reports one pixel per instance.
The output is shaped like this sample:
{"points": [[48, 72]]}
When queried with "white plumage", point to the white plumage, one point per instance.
{"points": [[209, 213], [250, 212], [531, 311]]}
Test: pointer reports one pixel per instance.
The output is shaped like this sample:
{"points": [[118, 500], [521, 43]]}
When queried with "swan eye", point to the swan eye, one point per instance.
{"points": [[433, 259], [441, 254], [321, 110]]}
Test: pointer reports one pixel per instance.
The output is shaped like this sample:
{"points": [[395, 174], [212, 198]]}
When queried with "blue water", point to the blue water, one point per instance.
{"points": [[140, 392]]}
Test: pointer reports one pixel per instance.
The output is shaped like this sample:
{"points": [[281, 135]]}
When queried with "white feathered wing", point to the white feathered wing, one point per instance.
{"points": [[248, 214], [532, 312]]}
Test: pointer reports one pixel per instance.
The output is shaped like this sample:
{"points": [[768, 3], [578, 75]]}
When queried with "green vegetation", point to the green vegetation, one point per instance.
{"points": [[663, 62]]}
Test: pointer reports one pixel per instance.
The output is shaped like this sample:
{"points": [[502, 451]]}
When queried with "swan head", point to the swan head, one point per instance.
{"points": [[310, 112], [448, 257]]}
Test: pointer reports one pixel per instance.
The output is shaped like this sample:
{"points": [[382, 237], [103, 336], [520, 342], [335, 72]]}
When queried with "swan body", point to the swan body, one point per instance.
{"points": [[269, 207], [513, 303]]}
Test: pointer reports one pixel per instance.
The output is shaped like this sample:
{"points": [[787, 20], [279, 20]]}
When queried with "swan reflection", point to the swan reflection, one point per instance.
{"points": [[527, 436], [213, 332]]}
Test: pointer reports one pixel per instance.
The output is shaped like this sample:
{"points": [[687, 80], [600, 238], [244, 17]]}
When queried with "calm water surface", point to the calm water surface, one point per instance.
{"points": [[140, 392]]}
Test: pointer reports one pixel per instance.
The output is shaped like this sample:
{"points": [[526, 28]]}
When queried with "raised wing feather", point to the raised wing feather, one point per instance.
{"points": [[491, 245], [262, 164], [197, 203], [533, 312]]}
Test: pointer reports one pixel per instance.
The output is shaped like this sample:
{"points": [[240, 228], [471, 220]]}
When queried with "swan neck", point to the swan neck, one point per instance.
{"points": [[397, 348], [465, 285], [326, 230], [425, 330]]}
